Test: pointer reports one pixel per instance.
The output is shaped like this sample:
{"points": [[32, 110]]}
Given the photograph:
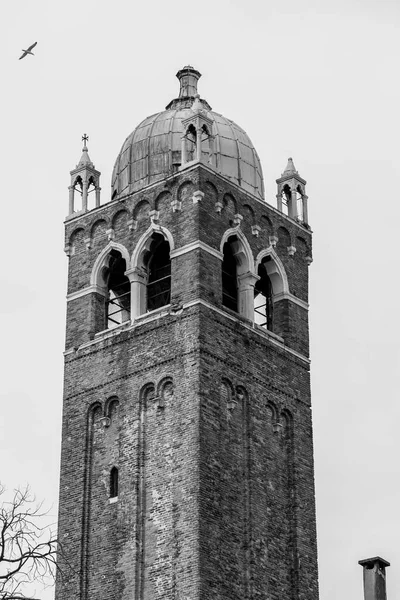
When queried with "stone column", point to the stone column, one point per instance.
{"points": [[198, 143], [138, 280], [84, 195], [183, 150], [98, 190], [293, 204], [246, 285], [279, 201], [305, 209], [71, 199]]}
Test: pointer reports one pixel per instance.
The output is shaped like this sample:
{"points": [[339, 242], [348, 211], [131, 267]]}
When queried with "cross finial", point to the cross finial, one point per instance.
{"points": [[85, 138]]}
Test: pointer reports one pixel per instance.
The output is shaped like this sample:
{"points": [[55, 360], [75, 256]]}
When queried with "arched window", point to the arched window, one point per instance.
{"points": [[118, 298], [263, 297], [229, 277], [77, 187], [114, 482], [159, 274], [191, 141]]}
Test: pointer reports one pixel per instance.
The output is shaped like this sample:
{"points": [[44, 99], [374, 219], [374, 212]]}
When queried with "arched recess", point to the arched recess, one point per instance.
{"points": [[95, 277], [165, 393], [271, 283], [275, 269], [112, 287], [150, 270], [248, 214], [238, 274], [77, 241]]}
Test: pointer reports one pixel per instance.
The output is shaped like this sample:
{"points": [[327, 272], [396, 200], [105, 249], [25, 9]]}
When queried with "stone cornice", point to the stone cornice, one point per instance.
{"points": [[291, 298], [194, 246], [165, 310], [85, 291]]}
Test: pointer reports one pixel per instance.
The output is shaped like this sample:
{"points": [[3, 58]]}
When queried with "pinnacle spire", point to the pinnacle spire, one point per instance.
{"points": [[290, 168], [85, 158]]}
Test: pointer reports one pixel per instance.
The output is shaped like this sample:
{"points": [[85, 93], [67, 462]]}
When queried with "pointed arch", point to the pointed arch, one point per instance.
{"points": [[150, 270], [275, 270], [237, 273], [95, 277], [143, 245], [112, 286], [243, 252]]}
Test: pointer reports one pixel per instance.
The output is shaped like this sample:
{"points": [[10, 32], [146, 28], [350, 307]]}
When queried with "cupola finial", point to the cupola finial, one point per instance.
{"points": [[85, 138], [188, 78]]}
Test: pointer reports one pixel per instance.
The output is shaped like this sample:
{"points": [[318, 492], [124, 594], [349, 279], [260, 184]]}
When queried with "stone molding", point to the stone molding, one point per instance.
{"points": [[291, 298], [275, 339], [91, 289], [194, 246]]}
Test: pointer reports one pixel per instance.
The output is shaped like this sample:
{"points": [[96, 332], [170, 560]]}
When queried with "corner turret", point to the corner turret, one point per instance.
{"points": [[84, 179], [291, 196]]}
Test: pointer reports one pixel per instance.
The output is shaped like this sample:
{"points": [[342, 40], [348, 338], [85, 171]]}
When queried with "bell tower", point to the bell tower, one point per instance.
{"points": [[187, 457]]}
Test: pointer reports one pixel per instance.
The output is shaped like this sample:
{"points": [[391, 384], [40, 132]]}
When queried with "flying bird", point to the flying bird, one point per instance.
{"points": [[26, 52]]}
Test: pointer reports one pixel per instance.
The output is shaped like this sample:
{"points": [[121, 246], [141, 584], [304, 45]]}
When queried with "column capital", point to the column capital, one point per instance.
{"points": [[136, 275], [248, 279]]}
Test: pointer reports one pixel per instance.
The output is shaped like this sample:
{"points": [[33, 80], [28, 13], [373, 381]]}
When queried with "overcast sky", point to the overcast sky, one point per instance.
{"points": [[316, 80]]}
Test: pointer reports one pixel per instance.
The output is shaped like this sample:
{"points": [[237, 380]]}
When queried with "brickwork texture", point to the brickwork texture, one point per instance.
{"points": [[205, 415]]}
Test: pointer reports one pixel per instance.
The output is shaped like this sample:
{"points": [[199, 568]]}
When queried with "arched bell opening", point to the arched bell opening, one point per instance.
{"points": [[118, 297], [190, 144], [76, 195], [263, 297], [229, 276], [286, 199], [158, 273]]}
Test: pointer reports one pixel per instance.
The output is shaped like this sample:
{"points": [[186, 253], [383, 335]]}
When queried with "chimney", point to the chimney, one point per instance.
{"points": [[374, 578]]}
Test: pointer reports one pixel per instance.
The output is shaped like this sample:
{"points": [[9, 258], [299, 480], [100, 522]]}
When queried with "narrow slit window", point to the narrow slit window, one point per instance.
{"points": [[114, 482]]}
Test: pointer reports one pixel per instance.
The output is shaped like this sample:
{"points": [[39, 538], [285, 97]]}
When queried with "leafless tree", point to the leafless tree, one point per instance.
{"points": [[27, 546]]}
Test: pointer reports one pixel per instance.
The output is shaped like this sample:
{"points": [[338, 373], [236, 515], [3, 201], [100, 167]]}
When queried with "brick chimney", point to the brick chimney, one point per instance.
{"points": [[374, 578]]}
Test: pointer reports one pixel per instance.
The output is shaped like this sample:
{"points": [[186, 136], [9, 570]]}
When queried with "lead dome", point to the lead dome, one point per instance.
{"points": [[187, 131]]}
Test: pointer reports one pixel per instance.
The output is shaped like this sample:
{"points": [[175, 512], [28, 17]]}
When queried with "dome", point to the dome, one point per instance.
{"points": [[154, 149]]}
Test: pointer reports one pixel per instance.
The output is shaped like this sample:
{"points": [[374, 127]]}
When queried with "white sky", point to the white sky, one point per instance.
{"points": [[316, 80]]}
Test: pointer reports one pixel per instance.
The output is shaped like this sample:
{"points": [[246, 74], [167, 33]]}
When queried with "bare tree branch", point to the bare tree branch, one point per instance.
{"points": [[27, 546]]}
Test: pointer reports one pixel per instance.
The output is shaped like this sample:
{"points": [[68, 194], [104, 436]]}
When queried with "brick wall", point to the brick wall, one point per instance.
{"points": [[210, 423]]}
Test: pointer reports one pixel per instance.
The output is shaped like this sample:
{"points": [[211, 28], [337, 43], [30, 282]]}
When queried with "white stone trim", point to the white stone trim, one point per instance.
{"points": [[276, 340], [141, 244], [276, 271], [273, 337], [194, 246], [152, 315], [94, 277], [197, 196], [247, 252], [85, 291], [294, 299]]}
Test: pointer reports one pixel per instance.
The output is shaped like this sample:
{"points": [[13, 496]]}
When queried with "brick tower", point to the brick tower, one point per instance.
{"points": [[187, 459]]}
